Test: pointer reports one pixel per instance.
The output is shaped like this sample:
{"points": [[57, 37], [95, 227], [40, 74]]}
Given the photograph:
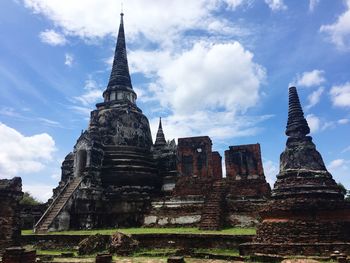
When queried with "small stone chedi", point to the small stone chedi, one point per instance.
{"points": [[307, 213]]}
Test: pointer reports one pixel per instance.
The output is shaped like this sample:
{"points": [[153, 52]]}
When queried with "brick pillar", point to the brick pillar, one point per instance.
{"points": [[217, 165]]}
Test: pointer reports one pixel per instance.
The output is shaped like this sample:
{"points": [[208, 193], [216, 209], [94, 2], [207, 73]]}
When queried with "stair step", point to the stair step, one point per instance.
{"points": [[60, 201]]}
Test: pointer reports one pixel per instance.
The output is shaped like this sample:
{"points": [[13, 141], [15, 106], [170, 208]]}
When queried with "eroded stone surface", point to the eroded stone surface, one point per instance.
{"points": [[10, 195]]}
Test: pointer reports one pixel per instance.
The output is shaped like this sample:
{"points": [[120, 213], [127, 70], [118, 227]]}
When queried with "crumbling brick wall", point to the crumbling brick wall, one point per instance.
{"points": [[10, 194], [244, 162], [217, 165], [195, 156]]}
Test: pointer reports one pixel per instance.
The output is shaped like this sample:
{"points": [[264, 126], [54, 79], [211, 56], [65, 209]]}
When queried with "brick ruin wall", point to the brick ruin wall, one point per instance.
{"points": [[245, 186], [217, 165], [244, 162], [195, 157], [10, 195]]}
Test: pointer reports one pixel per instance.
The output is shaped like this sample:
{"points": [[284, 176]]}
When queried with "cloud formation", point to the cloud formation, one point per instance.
{"points": [[339, 32], [210, 76], [41, 192], [21, 154], [315, 97], [52, 38], [310, 78], [314, 122], [313, 4], [150, 18], [271, 170], [340, 95], [276, 5], [205, 89], [69, 59], [92, 93]]}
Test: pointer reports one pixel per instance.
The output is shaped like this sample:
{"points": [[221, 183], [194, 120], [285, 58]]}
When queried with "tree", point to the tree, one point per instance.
{"points": [[28, 199], [344, 191]]}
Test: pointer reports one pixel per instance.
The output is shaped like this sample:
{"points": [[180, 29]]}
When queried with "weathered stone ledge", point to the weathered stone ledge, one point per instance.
{"points": [[145, 240]]}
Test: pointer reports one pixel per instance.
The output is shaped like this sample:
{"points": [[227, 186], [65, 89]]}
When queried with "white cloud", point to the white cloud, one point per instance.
{"points": [[336, 164], [317, 124], [314, 97], [92, 93], [208, 77], [313, 4], [148, 62], [233, 4], [314, 123], [347, 149], [340, 169], [8, 111], [149, 18], [310, 78], [219, 126], [50, 123], [276, 5], [339, 32], [343, 121], [205, 88], [69, 59], [41, 192], [340, 95], [53, 38], [21, 154], [271, 171]]}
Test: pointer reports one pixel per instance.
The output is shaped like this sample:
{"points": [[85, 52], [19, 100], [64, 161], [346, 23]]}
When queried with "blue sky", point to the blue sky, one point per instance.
{"points": [[207, 67]]}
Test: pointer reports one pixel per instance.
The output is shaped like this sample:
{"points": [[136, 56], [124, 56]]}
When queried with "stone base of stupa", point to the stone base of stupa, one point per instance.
{"points": [[306, 227], [293, 249]]}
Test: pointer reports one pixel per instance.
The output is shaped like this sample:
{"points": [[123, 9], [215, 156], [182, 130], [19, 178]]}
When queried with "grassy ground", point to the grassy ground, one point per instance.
{"points": [[142, 230]]}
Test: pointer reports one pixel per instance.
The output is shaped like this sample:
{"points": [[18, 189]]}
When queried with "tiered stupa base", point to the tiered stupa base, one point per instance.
{"points": [[311, 219]]}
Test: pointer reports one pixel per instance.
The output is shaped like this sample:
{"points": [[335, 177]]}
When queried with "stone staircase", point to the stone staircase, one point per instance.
{"points": [[213, 209], [42, 226]]}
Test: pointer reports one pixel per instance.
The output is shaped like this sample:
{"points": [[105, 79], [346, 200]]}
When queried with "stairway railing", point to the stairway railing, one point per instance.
{"points": [[54, 202]]}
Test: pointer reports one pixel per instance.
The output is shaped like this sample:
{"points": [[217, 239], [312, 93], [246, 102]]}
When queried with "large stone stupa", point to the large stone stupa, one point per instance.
{"points": [[109, 178]]}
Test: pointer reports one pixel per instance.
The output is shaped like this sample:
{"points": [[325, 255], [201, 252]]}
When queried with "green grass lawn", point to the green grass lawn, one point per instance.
{"points": [[144, 230]]}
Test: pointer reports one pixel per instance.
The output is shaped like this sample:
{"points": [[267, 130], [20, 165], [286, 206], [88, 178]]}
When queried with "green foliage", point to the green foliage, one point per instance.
{"points": [[149, 230], [29, 200]]}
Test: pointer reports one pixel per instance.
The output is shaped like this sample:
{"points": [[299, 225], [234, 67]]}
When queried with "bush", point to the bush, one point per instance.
{"points": [[29, 200]]}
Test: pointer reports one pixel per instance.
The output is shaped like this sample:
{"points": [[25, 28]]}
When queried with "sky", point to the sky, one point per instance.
{"points": [[220, 68]]}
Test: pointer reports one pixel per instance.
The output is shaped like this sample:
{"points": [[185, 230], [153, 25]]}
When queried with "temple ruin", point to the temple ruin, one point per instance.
{"points": [[10, 194], [307, 214], [116, 177]]}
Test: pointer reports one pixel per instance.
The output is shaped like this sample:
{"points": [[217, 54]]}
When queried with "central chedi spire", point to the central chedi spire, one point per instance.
{"points": [[119, 86]]}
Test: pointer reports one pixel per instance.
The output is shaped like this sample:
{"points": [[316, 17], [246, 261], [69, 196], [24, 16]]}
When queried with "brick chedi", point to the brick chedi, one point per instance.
{"points": [[109, 178], [307, 213]]}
